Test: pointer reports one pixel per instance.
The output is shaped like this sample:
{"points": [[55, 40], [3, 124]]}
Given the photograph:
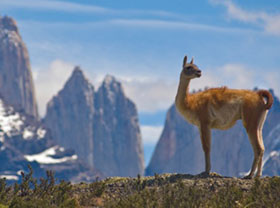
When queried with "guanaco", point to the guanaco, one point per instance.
{"points": [[220, 108]]}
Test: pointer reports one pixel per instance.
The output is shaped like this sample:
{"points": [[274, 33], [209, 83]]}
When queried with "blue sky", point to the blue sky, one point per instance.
{"points": [[142, 43]]}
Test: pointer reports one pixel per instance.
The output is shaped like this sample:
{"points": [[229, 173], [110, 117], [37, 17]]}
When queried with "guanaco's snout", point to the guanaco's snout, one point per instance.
{"points": [[198, 73]]}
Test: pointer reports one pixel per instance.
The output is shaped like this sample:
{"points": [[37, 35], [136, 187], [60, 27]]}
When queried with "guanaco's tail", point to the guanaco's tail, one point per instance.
{"points": [[269, 98]]}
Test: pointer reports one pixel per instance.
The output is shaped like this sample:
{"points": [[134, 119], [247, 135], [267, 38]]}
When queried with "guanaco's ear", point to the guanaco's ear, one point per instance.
{"points": [[185, 61], [191, 61]]}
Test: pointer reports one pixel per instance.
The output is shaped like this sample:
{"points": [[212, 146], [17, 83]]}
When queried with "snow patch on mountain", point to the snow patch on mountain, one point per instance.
{"points": [[271, 155], [46, 157], [10, 177], [10, 122], [13, 123], [27, 133]]}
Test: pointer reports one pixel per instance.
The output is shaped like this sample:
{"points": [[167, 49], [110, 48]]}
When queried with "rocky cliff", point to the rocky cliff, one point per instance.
{"points": [[117, 139], [179, 149], [70, 115], [101, 126], [16, 83]]}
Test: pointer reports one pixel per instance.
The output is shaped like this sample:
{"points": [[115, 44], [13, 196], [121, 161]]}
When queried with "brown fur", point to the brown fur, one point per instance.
{"points": [[268, 96], [220, 108]]}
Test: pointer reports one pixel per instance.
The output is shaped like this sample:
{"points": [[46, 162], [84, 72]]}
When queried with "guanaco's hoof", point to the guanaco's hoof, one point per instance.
{"points": [[204, 174], [247, 177]]}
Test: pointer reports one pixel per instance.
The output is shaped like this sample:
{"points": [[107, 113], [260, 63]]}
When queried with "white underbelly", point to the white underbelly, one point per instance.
{"points": [[224, 117], [219, 118]]}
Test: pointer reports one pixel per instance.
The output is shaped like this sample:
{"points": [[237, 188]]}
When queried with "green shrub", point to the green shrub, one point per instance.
{"points": [[168, 190], [29, 193]]}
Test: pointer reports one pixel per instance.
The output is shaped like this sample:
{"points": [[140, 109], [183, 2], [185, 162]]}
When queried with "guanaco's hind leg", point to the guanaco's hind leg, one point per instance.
{"points": [[205, 136], [260, 164], [258, 149], [260, 137], [254, 130]]}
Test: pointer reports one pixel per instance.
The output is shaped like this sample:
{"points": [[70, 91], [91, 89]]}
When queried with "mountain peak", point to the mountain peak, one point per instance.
{"points": [[111, 84], [8, 23], [109, 79], [77, 71], [77, 79]]}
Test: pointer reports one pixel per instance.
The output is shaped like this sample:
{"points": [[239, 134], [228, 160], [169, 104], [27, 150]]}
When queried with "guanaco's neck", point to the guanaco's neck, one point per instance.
{"points": [[181, 99]]}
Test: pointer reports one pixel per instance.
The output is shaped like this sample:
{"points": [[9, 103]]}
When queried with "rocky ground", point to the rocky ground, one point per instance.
{"points": [[180, 190], [166, 190]]}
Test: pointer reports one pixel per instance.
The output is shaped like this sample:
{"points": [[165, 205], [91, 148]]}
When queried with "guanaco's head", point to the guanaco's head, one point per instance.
{"points": [[190, 70]]}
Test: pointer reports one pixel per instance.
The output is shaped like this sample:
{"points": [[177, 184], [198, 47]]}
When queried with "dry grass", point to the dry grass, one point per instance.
{"points": [[167, 190]]}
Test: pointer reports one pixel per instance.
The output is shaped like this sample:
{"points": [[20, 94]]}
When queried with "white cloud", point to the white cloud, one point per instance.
{"points": [[237, 13], [150, 94], [243, 77], [272, 80], [63, 6], [152, 19], [273, 25], [167, 24], [269, 22], [237, 75], [53, 5], [49, 81], [154, 24], [208, 79], [151, 134]]}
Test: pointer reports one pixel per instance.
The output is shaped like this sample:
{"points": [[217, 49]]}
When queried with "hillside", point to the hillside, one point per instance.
{"points": [[167, 190]]}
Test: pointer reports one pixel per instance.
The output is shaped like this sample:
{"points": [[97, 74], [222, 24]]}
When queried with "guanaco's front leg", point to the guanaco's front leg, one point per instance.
{"points": [[205, 136]]}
